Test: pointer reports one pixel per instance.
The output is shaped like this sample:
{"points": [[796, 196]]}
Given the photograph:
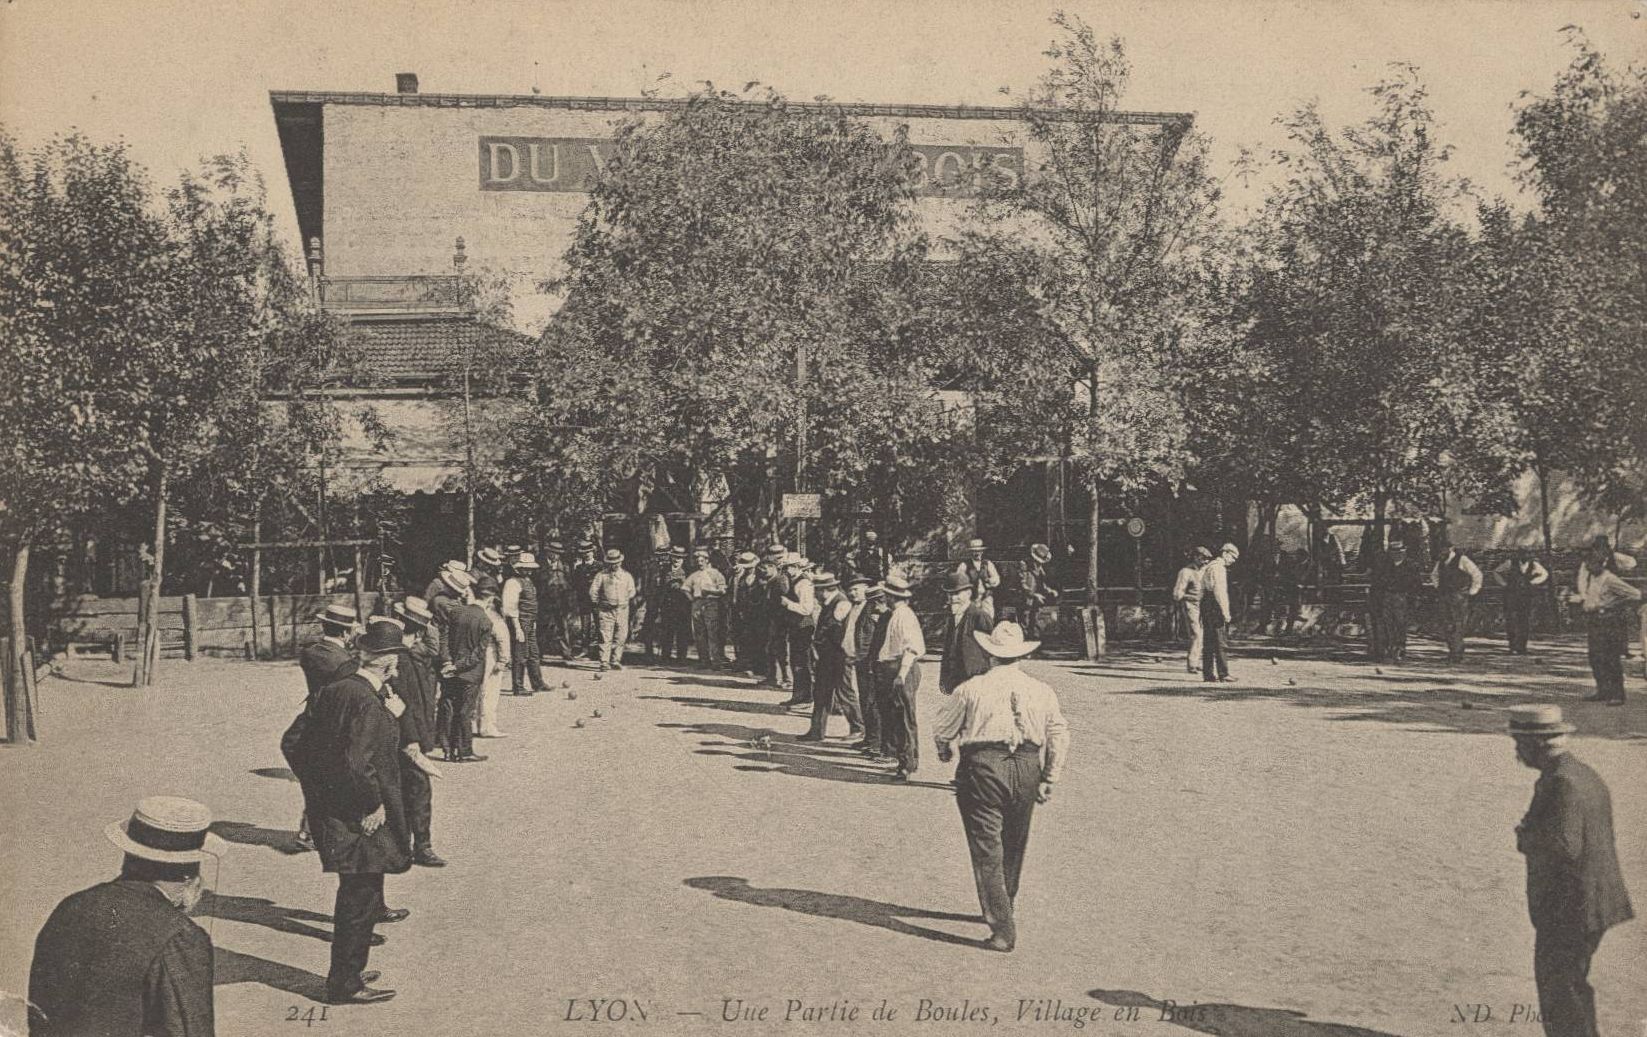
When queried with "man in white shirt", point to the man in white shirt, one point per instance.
{"points": [[705, 589], [1186, 591], [800, 620], [898, 670], [610, 593], [1216, 615], [1519, 575], [1610, 611], [982, 575], [1458, 581], [1013, 740]]}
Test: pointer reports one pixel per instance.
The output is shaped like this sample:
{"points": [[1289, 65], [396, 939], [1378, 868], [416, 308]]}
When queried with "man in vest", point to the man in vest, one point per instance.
{"points": [[1575, 892], [123, 957], [1035, 586], [1186, 591], [611, 593], [776, 621], [519, 607], [749, 641], [800, 611], [588, 566], [1216, 615], [1458, 581], [870, 559], [1519, 575], [868, 635], [963, 657], [555, 605], [705, 590], [828, 648], [982, 575], [1397, 579]]}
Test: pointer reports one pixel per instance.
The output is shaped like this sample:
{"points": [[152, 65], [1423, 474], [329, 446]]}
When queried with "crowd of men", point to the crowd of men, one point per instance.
{"points": [[388, 695]]}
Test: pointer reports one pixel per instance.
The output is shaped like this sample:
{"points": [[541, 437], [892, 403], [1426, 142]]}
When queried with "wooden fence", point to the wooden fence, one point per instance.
{"points": [[192, 626]]}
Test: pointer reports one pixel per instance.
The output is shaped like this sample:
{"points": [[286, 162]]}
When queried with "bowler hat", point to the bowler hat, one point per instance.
{"points": [[485, 587], [338, 616], [955, 581], [896, 587], [1041, 553], [1538, 722], [167, 830], [382, 635], [1006, 641]]}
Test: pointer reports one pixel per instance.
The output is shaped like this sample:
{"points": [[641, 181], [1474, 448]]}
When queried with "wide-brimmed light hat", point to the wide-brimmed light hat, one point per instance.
{"points": [[1538, 722], [488, 556], [1041, 553], [824, 581], [526, 561], [896, 587], [168, 830], [414, 610], [1006, 641], [457, 579], [975, 544], [338, 616], [613, 556], [746, 560]]}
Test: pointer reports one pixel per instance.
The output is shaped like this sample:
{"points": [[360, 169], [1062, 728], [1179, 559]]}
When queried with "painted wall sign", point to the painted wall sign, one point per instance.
{"points": [[574, 163]]}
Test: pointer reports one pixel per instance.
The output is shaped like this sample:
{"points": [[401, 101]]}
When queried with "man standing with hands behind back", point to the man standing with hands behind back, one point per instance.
{"points": [[1575, 892], [1215, 614]]}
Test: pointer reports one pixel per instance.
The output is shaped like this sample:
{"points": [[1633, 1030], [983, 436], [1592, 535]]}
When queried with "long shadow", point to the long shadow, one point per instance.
{"points": [[233, 967], [247, 834], [266, 913], [729, 705], [1230, 1020], [765, 751], [92, 680], [890, 917], [278, 773]]}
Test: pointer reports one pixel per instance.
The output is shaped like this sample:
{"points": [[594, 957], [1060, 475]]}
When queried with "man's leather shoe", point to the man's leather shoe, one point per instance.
{"points": [[470, 758], [1000, 943], [363, 996], [399, 914], [809, 737], [378, 940], [1598, 697], [428, 858], [369, 977]]}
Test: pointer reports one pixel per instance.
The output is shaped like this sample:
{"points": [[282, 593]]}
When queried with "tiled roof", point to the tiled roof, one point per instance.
{"points": [[422, 350]]}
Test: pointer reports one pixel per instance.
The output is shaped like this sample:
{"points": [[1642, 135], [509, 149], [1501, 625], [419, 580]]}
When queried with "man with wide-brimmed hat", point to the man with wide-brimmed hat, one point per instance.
{"points": [[705, 590], [415, 684], [519, 607], [466, 630], [981, 574], [351, 759], [1035, 589], [800, 612], [775, 618], [898, 677], [611, 593], [1575, 891], [1013, 739], [555, 605], [962, 658], [440, 586], [746, 593], [489, 562], [829, 652], [123, 957]]}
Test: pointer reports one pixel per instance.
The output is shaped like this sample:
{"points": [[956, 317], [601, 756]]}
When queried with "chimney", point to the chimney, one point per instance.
{"points": [[405, 82]]}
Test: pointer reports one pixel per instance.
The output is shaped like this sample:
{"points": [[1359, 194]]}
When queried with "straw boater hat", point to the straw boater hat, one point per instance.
{"points": [[975, 544], [824, 581], [775, 552], [700, 552], [745, 560], [677, 551], [554, 547], [1041, 553], [955, 581], [167, 830], [614, 556], [586, 545], [338, 616], [414, 611], [1006, 641], [1231, 550], [1538, 722], [526, 561], [792, 560], [896, 587], [512, 551], [457, 579], [874, 590], [488, 556]]}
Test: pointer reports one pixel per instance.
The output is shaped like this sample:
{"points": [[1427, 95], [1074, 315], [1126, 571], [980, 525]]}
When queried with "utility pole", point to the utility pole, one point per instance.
{"points": [[800, 439]]}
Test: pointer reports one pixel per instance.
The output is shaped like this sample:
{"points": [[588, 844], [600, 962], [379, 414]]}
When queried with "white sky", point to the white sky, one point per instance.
{"points": [[179, 79]]}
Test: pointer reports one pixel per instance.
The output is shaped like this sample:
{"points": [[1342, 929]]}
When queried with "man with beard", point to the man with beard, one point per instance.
{"points": [[828, 641], [123, 957], [963, 657], [982, 575], [415, 685], [352, 759], [868, 634], [898, 676]]}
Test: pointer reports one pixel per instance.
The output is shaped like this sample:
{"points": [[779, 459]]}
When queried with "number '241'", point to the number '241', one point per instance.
{"points": [[308, 1017]]}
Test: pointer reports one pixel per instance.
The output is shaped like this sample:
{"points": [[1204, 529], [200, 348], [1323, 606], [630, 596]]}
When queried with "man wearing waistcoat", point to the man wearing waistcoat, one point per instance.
{"points": [[1520, 576], [1458, 581], [799, 613], [747, 591], [868, 635], [963, 657], [520, 612], [1575, 892], [830, 652]]}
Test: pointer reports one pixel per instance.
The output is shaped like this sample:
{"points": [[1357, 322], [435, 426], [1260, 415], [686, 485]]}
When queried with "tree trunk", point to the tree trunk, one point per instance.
{"points": [[257, 583], [468, 472], [1094, 514], [1549, 542], [18, 670], [148, 636]]}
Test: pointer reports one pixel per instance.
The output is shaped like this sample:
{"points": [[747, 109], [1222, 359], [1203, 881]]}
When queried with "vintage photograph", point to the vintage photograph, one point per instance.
{"points": [[1119, 517]]}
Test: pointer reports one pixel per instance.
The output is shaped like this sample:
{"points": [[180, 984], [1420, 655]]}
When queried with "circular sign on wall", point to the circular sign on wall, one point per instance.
{"points": [[1135, 527]]}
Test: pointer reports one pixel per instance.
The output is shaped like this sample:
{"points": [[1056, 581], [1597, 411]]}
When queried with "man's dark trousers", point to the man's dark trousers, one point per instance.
{"points": [[524, 664], [869, 698], [1214, 666], [899, 735], [464, 696], [800, 660], [1608, 635], [1455, 611], [995, 789], [1561, 969], [419, 799], [354, 916], [1518, 620]]}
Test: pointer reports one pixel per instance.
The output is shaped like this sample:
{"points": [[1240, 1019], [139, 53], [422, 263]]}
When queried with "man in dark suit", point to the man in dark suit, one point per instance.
{"points": [[1575, 892], [351, 757], [465, 629], [415, 684], [963, 658], [323, 662], [123, 957]]}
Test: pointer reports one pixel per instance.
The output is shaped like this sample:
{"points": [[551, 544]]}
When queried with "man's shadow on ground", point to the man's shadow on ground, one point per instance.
{"points": [[838, 906], [233, 967], [766, 751], [266, 913], [247, 834], [730, 705], [1230, 1020]]}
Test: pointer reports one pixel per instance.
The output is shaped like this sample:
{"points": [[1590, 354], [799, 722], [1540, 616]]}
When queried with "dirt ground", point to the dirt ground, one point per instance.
{"points": [[1318, 850]]}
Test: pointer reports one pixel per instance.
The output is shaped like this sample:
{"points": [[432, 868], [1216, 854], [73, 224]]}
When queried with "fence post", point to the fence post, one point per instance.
{"points": [[359, 588], [190, 623]]}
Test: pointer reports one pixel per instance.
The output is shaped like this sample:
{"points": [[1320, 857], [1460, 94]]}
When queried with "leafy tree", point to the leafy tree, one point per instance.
{"points": [[1106, 234]]}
